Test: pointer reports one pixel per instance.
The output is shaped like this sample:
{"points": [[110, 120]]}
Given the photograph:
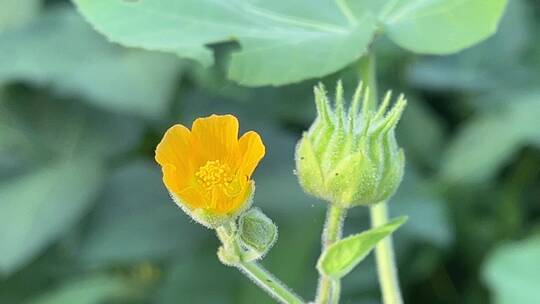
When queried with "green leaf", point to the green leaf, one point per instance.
{"points": [[341, 257], [33, 123], [481, 68], [17, 12], [282, 41], [55, 158], [512, 272], [39, 207], [440, 26], [492, 138], [89, 290], [136, 220], [83, 63], [288, 41]]}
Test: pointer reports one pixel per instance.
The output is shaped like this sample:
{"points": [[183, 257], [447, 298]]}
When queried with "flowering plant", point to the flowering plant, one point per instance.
{"points": [[208, 169]]}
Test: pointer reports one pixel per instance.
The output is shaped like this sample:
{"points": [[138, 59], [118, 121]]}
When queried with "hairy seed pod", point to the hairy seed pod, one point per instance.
{"points": [[351, 157]]}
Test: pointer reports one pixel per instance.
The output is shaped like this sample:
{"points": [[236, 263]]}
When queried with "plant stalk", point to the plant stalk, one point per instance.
{"points": [[368, 74], [336, 291], [269, 283], [384, 251], [384, 256], [328, 290]]}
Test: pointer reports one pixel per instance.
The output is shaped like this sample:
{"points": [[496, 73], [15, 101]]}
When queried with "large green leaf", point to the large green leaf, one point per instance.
{"points": [[54, 159], [17, 12], [288, 41], [341, 257], [435, 26], [39, 207], [487, 67], [39, 128], [440, 26], [492, 138], [76, 61], [282, 41], [512, 272]]}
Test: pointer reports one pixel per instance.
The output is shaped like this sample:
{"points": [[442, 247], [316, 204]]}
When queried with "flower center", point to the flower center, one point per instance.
{"points": [[213, 174]]}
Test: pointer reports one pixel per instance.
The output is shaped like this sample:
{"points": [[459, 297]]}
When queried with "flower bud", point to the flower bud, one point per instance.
{"points": [[351, 157], [257, 232]]}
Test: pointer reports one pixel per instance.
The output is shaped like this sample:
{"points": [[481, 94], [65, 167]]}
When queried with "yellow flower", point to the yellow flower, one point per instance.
{"points": [[208, 170]]}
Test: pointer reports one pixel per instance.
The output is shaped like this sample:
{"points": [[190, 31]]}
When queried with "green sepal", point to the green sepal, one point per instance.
{"points": [[307, 163], [353, 181], [210, 219]]}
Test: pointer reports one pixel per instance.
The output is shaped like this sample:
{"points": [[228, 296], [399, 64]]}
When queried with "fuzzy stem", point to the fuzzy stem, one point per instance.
{"points": [[384, 251], [269, 283], [336, 291], [329, 289], [384, 255], [260, 276]]}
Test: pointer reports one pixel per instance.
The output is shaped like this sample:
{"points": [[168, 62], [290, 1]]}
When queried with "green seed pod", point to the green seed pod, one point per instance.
{"points": [[257, 232], [351, 158]]}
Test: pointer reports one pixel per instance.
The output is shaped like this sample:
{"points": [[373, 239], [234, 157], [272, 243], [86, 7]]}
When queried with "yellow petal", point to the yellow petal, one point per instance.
{"points": [[170, 178], [242, 199], [192, 197], [223, 203], [252, 150], [175, 148], [216, 137], [172, 153]]}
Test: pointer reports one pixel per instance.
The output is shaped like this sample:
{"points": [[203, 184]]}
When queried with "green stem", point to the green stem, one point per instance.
{"points": [[269, 283], [260, 276], [336, 291], [328, 290], [368, 74], [384, 251], [384, 255]]}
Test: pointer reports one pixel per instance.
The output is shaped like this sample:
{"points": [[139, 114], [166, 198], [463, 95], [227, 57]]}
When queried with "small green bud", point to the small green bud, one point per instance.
{"points": [[257, 232], [351, 158]]}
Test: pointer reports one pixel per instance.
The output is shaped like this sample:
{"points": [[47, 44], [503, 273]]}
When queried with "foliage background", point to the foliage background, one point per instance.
{"points": [[84, 217]]}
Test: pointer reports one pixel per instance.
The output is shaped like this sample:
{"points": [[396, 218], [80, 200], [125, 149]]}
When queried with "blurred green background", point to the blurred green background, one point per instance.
{"points": [[84, 217]]}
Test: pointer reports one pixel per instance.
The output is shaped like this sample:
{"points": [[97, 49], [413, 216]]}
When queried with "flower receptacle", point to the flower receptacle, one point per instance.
{"points": [[213, 220]]}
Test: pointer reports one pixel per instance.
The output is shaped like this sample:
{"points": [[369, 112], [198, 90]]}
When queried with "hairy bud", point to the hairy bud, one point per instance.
{"points": [[351, 157]]}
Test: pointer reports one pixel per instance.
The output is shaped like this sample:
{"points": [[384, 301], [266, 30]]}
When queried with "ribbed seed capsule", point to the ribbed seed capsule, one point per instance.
{"points": [[351, 158]]}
